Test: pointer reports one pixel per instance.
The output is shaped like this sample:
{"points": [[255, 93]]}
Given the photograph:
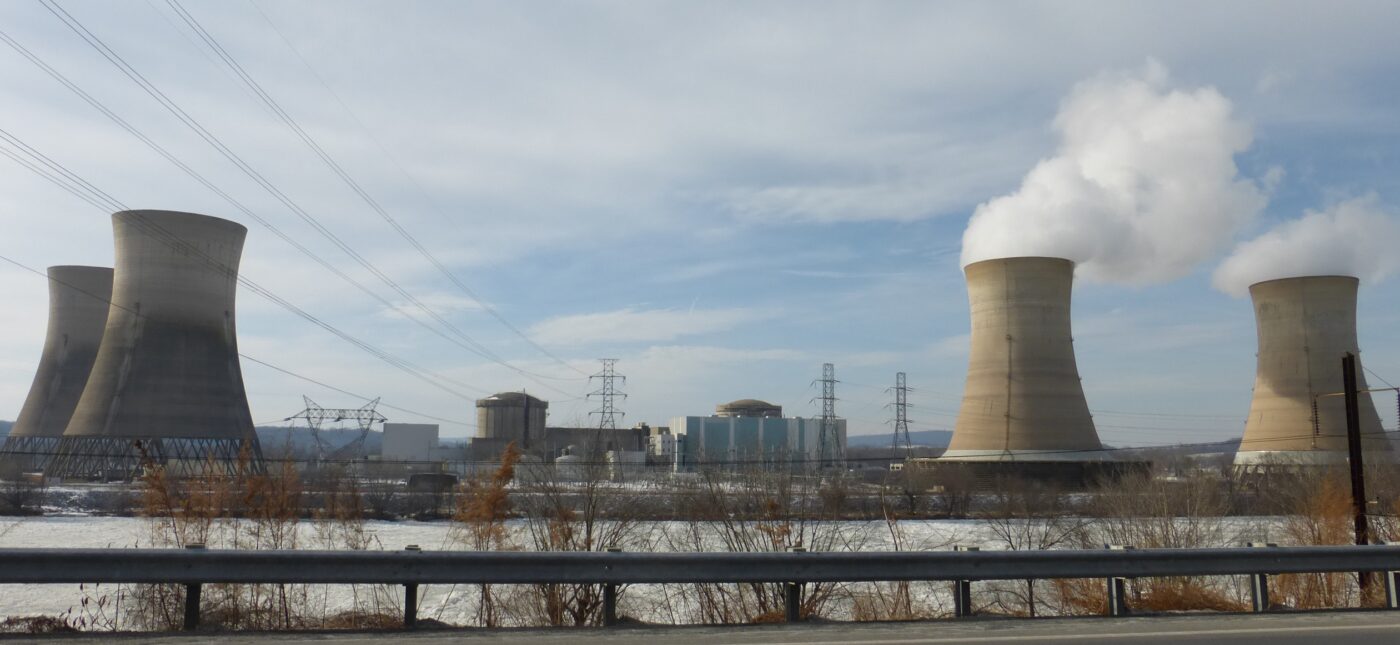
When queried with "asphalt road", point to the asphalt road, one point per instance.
{"points": [[1355, 628]]}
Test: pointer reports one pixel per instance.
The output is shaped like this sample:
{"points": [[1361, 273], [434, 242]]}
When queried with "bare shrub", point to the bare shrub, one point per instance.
{"points": [[580, 510], [1156, 512], [483, 506], [36, 625], [1026, 515], [1318, 502], [882, 601], [245, 510], [756, 511]]}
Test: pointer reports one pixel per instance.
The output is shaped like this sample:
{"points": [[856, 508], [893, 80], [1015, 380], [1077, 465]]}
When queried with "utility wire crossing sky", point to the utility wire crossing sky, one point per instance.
{"points": [[447, 200]]}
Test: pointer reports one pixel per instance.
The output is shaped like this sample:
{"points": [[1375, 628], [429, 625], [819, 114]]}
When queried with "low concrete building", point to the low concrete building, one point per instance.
{"points": [[410, 442]]}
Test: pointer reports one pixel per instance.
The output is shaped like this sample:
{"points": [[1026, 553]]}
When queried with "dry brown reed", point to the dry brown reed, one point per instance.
{"points": [[483, 506], [1156, 512], [1319, 513]]}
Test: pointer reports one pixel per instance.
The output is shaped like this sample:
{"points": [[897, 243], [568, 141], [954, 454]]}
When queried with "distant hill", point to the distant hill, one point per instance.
{"points": [[930, 438], [5, 427]]}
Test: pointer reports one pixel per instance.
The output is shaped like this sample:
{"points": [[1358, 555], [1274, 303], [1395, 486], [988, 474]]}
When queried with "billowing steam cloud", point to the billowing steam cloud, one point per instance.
{"points": [[1356, 238], [1143, 188]]}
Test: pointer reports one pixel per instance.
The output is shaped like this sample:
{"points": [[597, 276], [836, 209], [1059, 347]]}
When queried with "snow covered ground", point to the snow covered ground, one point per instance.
{"points": [[457, 604]]}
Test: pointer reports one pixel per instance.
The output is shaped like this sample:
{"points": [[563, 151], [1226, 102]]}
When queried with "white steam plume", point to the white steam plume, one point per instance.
{"points": [[1357, 237], [1143, 187]]}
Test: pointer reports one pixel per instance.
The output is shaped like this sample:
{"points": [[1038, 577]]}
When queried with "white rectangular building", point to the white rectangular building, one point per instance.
{"points": [[410, 442]]}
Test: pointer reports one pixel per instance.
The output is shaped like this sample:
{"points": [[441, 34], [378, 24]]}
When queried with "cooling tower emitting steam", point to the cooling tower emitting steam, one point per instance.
{"points": [[166, 382], [1305, 327], [1143, 186], [78, 304], [1023, 399]]}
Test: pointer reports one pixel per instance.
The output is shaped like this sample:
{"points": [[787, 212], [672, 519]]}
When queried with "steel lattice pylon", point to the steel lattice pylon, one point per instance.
{"points": [[607, 393], [901, 416], [315, 415], [830, 444]]}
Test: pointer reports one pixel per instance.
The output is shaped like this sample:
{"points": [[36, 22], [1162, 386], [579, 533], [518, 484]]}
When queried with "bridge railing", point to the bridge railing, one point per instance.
{"points": [[412, 567]]}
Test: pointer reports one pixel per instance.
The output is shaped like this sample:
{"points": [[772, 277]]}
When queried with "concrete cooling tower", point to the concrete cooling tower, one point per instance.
{"points": [[1023, 400], [78, 303], [1305, 327], [166, 385]]}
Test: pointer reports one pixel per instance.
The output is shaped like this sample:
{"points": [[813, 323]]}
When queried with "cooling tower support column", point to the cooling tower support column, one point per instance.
{"points": [[166, 387], [1297, 416], [78, 303], [1023, 399]]}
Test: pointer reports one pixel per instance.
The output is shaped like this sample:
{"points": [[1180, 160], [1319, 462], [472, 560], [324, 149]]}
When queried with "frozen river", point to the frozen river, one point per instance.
{"points": [[458, 605], [440, 602]]}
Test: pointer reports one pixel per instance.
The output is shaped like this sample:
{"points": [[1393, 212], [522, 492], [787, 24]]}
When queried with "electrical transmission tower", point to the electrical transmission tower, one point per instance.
{"points": [[608, 393], [316, 416], [901, 416], [829, 442]]}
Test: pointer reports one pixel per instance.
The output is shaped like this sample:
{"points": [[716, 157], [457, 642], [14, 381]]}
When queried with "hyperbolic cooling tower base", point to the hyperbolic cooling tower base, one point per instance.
{"points": [[1260, 460], [26, 455], [1026, 455], [115, 458]]}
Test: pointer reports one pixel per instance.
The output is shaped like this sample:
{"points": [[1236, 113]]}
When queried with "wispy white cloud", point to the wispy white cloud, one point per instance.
{"points": [[631, 325]]}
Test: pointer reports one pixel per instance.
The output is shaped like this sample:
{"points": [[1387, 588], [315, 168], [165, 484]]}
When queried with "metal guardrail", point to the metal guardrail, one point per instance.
{"points": [[413, 567]]}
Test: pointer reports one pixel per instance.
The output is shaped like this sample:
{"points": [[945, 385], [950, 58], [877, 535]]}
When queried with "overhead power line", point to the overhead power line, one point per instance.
{"points": [[182, 166], [213, 140], [259, 361], [64, 178], [344, 176]]}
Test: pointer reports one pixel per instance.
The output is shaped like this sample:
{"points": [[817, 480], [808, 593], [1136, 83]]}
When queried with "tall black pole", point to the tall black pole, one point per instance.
{"points": [[1358, 473]]}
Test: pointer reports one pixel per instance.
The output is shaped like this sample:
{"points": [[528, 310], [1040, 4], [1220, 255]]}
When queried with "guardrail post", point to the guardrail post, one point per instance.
{"points": [[1391, 584], [1117, 588], [962, 590], [610, 597], [410, 596], [792, 594], [192, 593], [1259, 584]]}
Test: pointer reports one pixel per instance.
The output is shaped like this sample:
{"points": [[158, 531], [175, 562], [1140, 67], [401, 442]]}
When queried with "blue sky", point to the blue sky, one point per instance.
{"points": [[721, 195]]}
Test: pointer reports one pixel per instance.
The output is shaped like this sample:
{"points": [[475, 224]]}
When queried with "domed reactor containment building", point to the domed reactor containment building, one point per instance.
{"points": [[511, 416], [749, 408], [166, 386], [1297, 416], [78, 304]]}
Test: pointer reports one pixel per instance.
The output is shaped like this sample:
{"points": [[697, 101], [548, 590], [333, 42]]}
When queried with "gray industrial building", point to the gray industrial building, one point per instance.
{"points": [[1305, 325], [410, 442], [78, 303], [166, 385], [518, 417], [745, 434]]}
